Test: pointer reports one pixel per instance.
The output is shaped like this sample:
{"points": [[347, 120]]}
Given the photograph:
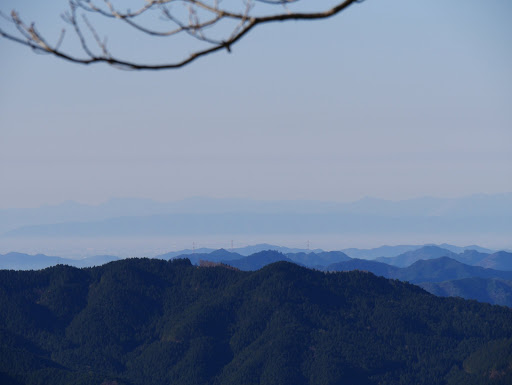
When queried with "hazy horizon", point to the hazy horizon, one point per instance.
{"points": [[373, 102], [153, 246], [143, 227], [95, 203]]}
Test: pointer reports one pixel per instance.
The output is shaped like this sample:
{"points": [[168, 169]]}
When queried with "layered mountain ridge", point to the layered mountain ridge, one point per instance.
{"points": [[136, 321], [423, 265]]}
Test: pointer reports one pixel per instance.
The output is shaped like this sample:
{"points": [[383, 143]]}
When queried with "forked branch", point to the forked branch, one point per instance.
{"points": [[216, 27]]}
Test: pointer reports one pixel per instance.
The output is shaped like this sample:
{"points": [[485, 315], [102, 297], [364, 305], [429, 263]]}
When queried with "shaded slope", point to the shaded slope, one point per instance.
{"points": [[471, 257], [315, 259], [382, 251], [444, 268], [432, 270], [377, 268], [409, 257], [490, 290], [500, 260]]}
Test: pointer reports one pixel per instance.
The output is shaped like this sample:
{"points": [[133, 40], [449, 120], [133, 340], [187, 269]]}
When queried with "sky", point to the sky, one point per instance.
{"points": [[392, 99]]}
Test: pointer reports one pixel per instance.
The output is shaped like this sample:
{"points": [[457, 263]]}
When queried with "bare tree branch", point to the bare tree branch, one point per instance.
{"points": [[216, 27]]}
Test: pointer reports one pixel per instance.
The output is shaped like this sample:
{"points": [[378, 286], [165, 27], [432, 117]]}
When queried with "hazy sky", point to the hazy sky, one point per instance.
{"points": [[393, 99]]}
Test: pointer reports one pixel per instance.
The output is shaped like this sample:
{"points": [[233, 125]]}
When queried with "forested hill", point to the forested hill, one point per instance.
{"points": [[142, 321]]}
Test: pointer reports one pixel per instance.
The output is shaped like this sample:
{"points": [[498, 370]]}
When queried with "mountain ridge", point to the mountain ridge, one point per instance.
{"points": [[431, 270], [147, 321]]}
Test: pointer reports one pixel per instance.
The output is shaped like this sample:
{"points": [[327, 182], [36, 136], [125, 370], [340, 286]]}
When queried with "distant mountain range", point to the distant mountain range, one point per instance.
{"points": [[409, 257], [445, 276], [194, 257], [252, 223], [431, 270], [245, 251], [257, 261], [437, 269], [478, 214], [469, 256], [393, 251], [20, 261], [501, 260]]}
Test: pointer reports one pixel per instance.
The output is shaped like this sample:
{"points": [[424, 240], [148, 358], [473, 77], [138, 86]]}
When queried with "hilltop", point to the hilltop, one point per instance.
{"points": [[148, 322]]}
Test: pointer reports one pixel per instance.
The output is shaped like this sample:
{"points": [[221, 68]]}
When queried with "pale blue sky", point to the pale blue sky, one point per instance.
{"points": [[393, 99]]}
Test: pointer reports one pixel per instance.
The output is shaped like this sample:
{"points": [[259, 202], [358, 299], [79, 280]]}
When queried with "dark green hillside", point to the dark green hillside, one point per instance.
{"points": [[488, 365], [156, 322], [377, 268]]}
